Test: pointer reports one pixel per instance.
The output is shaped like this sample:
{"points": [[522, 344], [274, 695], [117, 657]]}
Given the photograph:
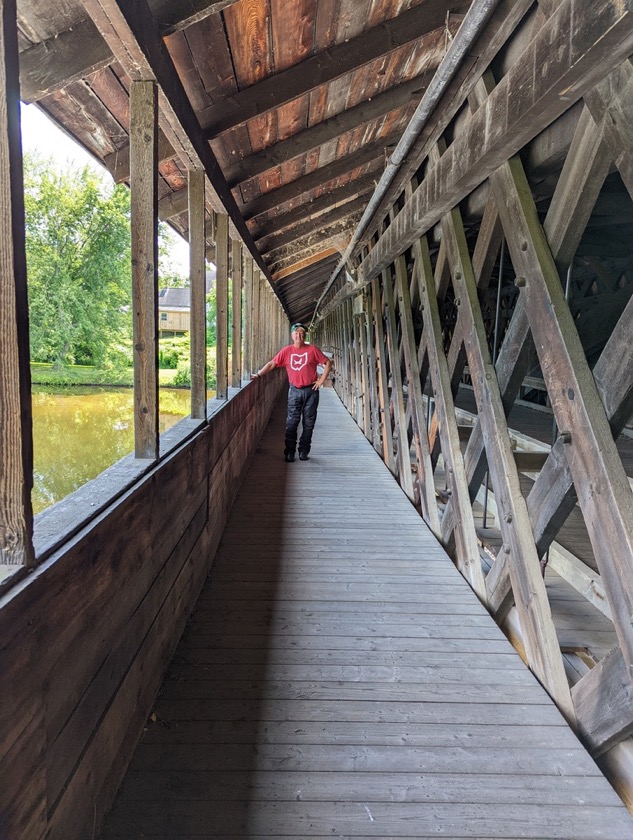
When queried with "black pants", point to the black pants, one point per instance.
{"points": [[302, 405]]}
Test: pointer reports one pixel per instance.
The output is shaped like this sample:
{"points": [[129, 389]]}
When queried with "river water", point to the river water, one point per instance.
{"points": [[81, 432]]}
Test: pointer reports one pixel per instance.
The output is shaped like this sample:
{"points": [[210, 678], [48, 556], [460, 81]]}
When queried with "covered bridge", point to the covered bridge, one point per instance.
{"points": [[442, 190]]}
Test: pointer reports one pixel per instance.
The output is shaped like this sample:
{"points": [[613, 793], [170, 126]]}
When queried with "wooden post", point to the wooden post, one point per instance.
{"points": [[255, 321], [397, 394], [425, 481], [144, 221], [16, 438], [247, 361], [539, 633], [198, 317], [222, 307], [374, 419], [468, 560], [236, 343], [383, 378]]}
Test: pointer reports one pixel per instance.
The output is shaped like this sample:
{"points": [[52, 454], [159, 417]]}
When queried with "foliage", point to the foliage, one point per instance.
{"points": [[212, 308], [183, 377], [173, 351], [169, 272], [78, 258]]}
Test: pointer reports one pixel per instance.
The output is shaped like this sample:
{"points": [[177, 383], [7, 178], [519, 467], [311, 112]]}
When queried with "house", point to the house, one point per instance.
{"points": [[173, 308]]}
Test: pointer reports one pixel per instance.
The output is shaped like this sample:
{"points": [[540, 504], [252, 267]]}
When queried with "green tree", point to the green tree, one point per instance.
{"points": [[78, 259]]}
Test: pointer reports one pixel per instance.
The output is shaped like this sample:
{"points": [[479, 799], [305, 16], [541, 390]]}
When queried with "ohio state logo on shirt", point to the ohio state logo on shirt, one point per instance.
{"points": [[298, 360]]}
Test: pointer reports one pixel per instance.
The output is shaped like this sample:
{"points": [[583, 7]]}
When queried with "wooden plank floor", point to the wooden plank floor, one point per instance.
{"points": [[340, 679]]}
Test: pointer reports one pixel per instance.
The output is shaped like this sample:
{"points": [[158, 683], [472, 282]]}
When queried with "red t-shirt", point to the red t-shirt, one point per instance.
{"points": [[301, 364]]}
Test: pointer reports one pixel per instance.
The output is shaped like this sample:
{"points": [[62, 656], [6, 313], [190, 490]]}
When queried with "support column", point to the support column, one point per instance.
{"points": [[247, 361], [198, 318], [236, 334], [222, 307], [144, 223], [16, 437]]}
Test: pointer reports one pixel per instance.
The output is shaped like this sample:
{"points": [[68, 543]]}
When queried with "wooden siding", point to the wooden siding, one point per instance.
{"points": [[71, 710]]}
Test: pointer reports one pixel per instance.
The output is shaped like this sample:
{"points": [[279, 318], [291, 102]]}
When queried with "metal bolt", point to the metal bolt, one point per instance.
{"points": [[508, 517], [565, 437], [520, 282]]}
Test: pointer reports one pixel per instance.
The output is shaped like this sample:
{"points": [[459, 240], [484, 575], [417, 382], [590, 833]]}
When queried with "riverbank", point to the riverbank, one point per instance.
{"points": [[72, 375]]}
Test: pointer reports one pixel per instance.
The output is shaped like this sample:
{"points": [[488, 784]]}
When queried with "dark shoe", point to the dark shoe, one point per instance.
{"points": [[303, 456], [289, 456]]}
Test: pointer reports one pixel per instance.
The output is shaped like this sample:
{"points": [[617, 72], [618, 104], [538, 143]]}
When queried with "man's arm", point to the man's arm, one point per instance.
{"points": [[326, 369], [266, 369]]}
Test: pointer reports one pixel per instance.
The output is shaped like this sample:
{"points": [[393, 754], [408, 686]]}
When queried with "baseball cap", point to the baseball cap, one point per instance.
{"points": [[298, 326]]}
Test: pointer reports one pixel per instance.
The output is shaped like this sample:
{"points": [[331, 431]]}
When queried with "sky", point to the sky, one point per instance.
{"points": [[41, 135]]}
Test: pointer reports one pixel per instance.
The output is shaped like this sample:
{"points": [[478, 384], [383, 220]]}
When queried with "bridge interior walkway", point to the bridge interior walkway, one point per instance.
{"points": [[339, 678]]}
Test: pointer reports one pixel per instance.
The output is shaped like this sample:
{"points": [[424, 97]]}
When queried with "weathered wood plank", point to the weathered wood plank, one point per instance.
{"points": [[467, 547], [144, 234], [383, 386], [16, 439], [197, 283], [397, 395], [424, 475], [326, 66], [520, 107], [133, 35], [236, 323], [222, 306], [539, 635]]}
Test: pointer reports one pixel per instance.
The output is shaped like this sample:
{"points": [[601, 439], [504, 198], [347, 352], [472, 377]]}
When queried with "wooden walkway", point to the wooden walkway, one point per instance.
{"points": [[340, 679]]}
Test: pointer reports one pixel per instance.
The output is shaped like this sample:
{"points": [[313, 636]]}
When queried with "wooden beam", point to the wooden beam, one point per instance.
{"points": [[507, 15], [383, 378], [222, 307], [339, 222], [539, 633], [80, 51], [587, 163], [394, 98], [329, 205], [247, 367], [369, 158], [144, 227], [553, 496], [327, 65], [588, 46], [397, 392], [236, 322], [16, 436], [304, 263], [118, 163], [468, 560], [292, 254], [603, 699], [136, 40], [424, 475], [197, 285]]}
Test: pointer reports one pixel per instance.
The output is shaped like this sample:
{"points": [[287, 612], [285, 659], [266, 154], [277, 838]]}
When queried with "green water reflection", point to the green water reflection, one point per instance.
{"points": [[80, 433]]}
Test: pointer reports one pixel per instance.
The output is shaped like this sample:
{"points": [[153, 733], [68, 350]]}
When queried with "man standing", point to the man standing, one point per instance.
{"points": [[300, 360]]}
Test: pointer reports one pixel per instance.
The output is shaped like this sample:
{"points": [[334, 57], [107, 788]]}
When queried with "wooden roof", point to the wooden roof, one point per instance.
{"points": [[292, 105]]}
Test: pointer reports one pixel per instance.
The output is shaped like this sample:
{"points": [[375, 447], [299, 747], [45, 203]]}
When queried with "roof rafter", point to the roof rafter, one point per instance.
{"points": [[78, 52], [392, 99], [368, 156], [327, 65], [133, 35]]}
